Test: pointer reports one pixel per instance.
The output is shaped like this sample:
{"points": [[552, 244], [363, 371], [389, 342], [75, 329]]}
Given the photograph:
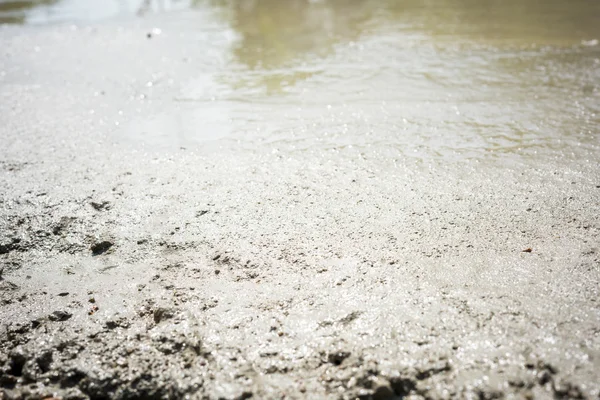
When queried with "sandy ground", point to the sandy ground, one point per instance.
{"points": [[225, 273]]}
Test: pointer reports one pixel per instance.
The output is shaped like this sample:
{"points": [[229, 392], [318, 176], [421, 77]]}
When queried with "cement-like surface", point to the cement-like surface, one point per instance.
{"points": [[218, 271]]}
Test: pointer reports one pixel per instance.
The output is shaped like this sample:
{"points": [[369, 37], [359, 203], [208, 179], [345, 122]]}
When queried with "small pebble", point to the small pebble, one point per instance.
{"points": [[60, 316]]}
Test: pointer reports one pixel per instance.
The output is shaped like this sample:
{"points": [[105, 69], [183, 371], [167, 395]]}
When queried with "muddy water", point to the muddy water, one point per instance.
{"points": [[447, 79]]}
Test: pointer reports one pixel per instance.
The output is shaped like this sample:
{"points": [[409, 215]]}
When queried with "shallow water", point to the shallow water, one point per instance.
{"points": [[451, 79]]}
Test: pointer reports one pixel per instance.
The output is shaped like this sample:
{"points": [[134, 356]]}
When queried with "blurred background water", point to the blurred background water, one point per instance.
{"points": [[464, 79]]}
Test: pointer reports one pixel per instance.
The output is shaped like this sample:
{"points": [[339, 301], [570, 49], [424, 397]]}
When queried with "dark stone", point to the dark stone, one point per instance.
{"points": [[338, 357], [16, 364], [60, 316], [105, 205], [402, 386], [44, 361], [161, 314], [101, 247], [8, 381], [382, 390], [117, 323], [245, 395]]}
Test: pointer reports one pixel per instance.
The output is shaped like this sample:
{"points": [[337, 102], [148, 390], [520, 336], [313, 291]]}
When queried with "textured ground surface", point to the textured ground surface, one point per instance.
{"points": [[221, 272]]}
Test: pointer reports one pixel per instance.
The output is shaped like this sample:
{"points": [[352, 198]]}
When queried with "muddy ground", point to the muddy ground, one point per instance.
{"points": [[214, 271]]}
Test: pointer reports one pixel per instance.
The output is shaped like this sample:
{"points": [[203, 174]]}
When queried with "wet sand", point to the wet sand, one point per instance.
{"points": [[227, 267]]}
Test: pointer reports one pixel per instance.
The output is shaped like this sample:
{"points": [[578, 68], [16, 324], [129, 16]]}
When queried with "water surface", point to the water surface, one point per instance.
{"points": [[451, 79]]}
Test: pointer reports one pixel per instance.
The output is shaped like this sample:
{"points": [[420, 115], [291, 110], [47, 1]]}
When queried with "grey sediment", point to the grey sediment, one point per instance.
{"points": [[216, 271]]}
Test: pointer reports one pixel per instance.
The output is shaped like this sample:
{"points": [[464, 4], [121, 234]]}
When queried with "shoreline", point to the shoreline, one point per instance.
{"points": [[223, 273]]}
